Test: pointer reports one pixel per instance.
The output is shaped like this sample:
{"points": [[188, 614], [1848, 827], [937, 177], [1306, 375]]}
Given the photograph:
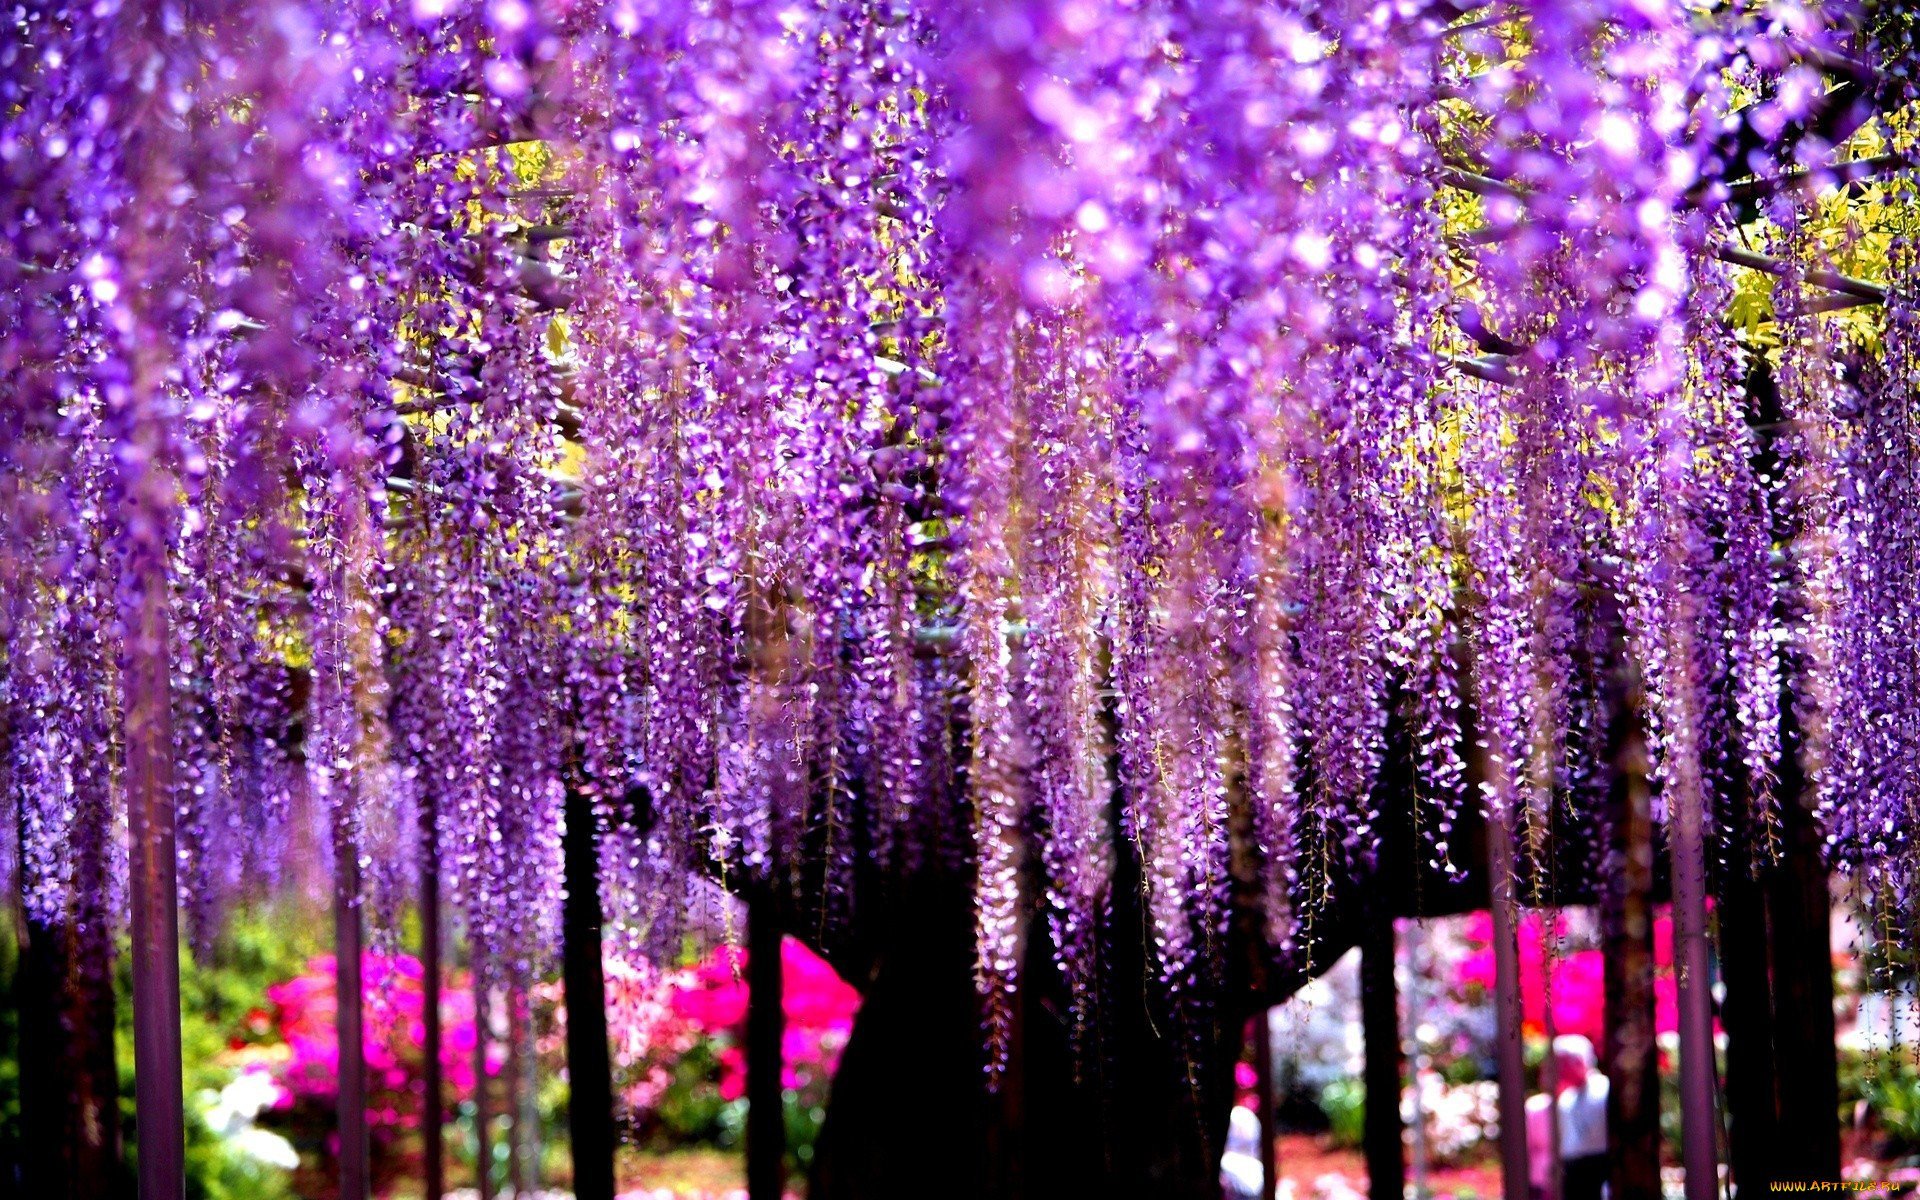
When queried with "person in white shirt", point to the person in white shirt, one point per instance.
{"points": [[1240, 1171], [1582, 1110]]}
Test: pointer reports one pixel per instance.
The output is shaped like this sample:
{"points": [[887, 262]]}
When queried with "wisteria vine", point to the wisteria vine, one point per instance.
{"points": [[765, 419]]}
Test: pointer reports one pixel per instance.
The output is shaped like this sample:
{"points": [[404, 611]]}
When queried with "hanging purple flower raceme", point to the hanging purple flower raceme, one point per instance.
{"points": [[1859, 642], [979, 369], [1727, 505], [171, 155], [1628, 448], [664, 606], [1064, 568]]}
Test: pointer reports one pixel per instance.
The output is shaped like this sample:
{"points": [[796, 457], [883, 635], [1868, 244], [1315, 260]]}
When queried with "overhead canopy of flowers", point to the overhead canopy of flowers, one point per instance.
{"points": [[843, 435]]}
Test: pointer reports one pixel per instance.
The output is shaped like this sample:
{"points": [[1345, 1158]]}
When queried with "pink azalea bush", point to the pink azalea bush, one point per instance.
{"points": [[818, 1006], [1577, 982], [394, 1033], [393, 1040], [648, 1036], [679, 1039]]}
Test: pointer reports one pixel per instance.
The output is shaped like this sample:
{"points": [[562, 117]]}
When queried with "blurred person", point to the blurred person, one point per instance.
{"points": [[1582, 1110], [1241, 1175]]}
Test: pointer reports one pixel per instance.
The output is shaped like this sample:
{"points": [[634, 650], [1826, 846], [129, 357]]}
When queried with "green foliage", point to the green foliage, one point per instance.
{"points": [[692, 1108], [1890, 1086], [803, 1122], [217, 991], [1345, 1103], [693, 1112], [215, 997]]}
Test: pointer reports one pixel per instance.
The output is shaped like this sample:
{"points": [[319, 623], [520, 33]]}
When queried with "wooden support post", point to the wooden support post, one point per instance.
{"points": [[1383, 1134], [1699, 1082], [766, 1125], [349, 1012], [1263, 1101], [589, 1065], [433, 1104], [1550, 1079], [1510, 1058], [159, 1099], [1416, 992]]}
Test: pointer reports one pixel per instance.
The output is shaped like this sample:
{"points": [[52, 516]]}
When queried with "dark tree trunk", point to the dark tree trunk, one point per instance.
{"points": [[1799, 904], [1380, 1025], [1800, 909], [1131, 1095], [69, 1134], [69, 1084], [1782, 1068], [919, 1015], [1140, 1110], [589, 1063], [766, 1126], [1630, 1056], [1753, 1133]]}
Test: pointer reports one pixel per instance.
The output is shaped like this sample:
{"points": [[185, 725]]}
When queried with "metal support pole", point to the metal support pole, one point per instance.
{"points": [[1699, 1117], [1550, 1079], [526, 1082], [1380, 1025], [1263, 1097], [158, 1089], [510, 1077], [1509, 1055], [433, 1104], [482, 1115], [1416, 993], [349, 1010]]}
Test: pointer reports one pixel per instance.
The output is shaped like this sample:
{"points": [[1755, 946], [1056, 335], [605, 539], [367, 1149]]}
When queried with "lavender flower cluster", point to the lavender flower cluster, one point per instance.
{"points": [[844, 436]]}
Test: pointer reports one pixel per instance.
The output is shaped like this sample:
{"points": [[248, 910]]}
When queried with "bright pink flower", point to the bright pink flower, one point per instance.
{"points": [[733, 1072]]}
